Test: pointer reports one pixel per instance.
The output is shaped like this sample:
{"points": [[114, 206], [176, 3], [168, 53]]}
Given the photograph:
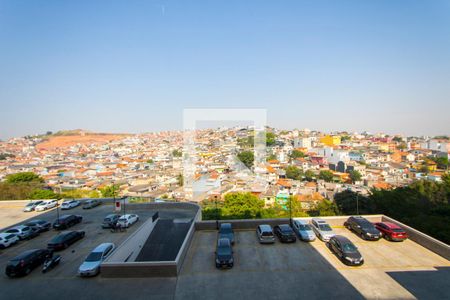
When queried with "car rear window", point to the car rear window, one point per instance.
{"points": [[267, 233], [398, 230], [325, 227], [94, 256]]}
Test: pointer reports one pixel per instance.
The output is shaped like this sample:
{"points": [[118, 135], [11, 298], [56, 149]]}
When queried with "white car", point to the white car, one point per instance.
{"points": [[91, 265], [70, 204], [127, 220], [46, 205], [322, 229], [31, 205], [7, 239]]}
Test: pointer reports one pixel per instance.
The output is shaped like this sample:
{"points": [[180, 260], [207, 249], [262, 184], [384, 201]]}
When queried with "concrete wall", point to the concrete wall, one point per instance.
{"points": [[187, 241], [252, 224], [422, 239], [115, 266], [139, 269], [130, 248]]}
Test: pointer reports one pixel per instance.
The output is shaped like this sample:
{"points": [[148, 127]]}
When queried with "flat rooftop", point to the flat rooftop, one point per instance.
{"points": [[165, 240], [403, 270]]}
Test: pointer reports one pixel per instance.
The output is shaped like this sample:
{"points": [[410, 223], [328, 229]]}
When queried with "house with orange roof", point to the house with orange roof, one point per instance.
{"points": [[308, 202]]}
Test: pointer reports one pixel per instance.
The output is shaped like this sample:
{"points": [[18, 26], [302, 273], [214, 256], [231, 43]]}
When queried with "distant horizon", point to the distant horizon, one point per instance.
{"points": [[212, 128], [134, 66]]}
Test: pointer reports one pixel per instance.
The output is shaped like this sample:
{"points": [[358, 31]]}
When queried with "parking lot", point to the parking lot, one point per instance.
{"points": [[403, 270], [63, 278], [310, 270]]}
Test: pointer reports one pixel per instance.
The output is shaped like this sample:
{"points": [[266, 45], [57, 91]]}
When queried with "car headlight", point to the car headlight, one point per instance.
{"points": [[349, 258], [217, 261], [231, 260]]}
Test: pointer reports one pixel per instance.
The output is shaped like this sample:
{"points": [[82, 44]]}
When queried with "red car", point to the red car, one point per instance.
{"points": [[391, 231]]}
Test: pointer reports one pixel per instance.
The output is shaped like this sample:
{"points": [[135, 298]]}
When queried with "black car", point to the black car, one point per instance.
{"points": [[66, 221], [24, 263], [91, 203], [39, 225], [365, 229], [345, 250], [226, 231], [65, 239], [110, 221], [285, 233], [224, 254]]}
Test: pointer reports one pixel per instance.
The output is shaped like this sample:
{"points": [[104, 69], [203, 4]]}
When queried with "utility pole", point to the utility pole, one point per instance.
{"points": [[217, 214], [357, 203]]}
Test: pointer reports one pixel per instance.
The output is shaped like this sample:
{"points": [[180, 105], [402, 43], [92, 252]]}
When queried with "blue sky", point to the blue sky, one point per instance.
{"points": [[133, 66]]}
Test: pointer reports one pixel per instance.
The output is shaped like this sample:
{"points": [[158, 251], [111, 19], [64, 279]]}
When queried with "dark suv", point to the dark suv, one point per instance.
{"points": [[226, 231], [285, 233], [24, 263], [110, 221], [365, 229], [224, 254], [66, 221]]}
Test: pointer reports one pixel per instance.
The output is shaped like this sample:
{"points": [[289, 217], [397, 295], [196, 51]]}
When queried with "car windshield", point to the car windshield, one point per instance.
{"points": [[304, 227], [349, 248], [367, 225], [59, 238], [30, 204], [286, 229], [224, 251], [94, 256], [325, 227], [107, 219]]}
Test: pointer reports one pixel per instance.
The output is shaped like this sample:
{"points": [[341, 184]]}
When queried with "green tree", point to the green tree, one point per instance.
{"points": [[150, 161], [110, 191], [4, 156], [293, 172], [309, 175], [325, 208], [43, 194], [24, 177], [177, 153], [270, 139], [271, 157], [296, 154], [355, 176], [242, 206], [326, 175], [180, 179], [247, 158]]}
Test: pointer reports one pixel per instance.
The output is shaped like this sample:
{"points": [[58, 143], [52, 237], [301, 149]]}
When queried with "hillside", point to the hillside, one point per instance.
{"points": [[68, 138]]}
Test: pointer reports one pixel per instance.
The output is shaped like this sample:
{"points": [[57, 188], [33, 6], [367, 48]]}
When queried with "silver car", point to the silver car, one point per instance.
{"points": [[303, 230], [322, 229], [265, 234], [31, 205], [91, 266]]}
